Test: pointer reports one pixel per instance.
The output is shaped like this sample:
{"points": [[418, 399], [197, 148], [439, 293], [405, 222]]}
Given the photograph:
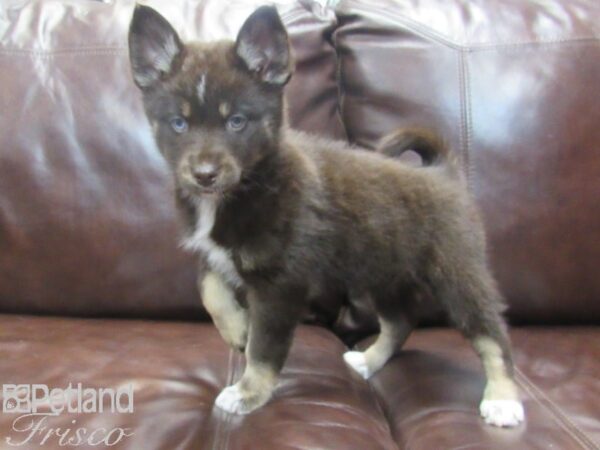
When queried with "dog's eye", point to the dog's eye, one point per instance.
{"points": [[237, 122], [179, 124]]}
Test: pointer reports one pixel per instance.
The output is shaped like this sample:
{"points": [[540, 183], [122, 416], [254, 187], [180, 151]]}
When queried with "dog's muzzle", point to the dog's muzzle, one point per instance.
{"points": [[205, 174]]}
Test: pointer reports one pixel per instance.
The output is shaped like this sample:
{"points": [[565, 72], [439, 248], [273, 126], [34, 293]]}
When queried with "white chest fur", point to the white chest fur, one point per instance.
{"points": [[218, 258]]}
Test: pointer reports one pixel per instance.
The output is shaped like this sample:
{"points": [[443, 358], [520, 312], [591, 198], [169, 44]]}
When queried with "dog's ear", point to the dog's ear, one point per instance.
{"points": [[153, 46], [263, 45]]}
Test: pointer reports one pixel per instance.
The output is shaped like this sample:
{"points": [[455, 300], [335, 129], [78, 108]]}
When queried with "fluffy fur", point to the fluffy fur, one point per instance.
{"points": [[278, 213]]}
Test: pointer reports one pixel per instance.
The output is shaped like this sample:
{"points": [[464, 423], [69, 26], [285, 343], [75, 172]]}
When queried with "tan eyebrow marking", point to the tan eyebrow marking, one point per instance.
{"points": [[186, 109], [224, 109]]}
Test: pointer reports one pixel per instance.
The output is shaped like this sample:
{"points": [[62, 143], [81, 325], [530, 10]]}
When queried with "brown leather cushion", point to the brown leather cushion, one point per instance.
{"points": [[177, 370], [431, 391], [513, 87], [87, 223]]}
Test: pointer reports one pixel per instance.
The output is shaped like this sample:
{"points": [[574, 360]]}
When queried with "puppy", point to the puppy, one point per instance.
{"points": [[278, 214]]}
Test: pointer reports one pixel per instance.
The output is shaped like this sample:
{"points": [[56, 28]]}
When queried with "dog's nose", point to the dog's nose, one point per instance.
{"points": [[205, 174]]}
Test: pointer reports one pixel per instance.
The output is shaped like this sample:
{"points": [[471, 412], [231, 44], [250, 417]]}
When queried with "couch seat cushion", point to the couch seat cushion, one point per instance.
{"points": [[177, 369], [431, 391]]}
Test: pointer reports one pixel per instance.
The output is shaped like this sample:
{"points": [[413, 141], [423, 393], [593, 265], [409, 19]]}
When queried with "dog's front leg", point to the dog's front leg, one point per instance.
{"points": [[228, 315], [274, 314]]}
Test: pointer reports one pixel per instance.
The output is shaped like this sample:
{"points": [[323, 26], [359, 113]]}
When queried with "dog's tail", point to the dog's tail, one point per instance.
{"points": [[425, 143]]}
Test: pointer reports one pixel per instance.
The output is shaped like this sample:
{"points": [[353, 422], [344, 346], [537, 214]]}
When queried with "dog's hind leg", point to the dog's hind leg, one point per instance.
{"points": [[395, 322], [500, 405], [228, 315], [475, 307]]}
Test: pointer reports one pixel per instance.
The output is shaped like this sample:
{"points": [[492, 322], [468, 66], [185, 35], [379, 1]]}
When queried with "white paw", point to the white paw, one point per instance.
{"points": [[358, 362], [502, 413], [230, 399]]}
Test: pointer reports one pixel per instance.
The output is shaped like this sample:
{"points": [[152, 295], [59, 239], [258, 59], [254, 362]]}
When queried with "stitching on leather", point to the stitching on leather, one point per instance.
{"points": [[469, 169], [341, 95], [485, 46], [576, 433], [340, 84], [519, 45], [560, 416], [465, 132], [65, 52], [287, 17], [424, 30]]}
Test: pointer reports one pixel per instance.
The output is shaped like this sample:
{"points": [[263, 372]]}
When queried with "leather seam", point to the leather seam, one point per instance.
{"points": [[424, 30], [518, 45], [381, 407], [384, 413], [91, 51], [558, 414], [341, 93], [465, 116], [288, 17], [469, 169]]}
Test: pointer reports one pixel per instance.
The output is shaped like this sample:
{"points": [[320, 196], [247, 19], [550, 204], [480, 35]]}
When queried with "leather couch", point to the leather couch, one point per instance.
{"points": [[94, 289]]}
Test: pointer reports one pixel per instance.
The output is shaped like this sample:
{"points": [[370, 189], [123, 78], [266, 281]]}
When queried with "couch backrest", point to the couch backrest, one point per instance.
{"points": [[87, 221], [514, 88], [86, 214]]}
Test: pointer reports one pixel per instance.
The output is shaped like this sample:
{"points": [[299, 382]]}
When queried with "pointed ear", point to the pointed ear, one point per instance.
{"points": [[263, 46], [153, 46]]}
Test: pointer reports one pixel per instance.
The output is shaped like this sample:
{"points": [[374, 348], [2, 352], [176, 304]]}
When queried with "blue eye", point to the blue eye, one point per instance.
{"points": [[179, 124], [237, 122]]}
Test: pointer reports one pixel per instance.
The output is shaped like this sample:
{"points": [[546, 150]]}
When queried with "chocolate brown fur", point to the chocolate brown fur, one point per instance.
{"points": [[296, 213]]}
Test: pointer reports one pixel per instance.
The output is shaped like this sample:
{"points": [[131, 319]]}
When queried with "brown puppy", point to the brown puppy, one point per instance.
{"points": [[272, 209]]}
